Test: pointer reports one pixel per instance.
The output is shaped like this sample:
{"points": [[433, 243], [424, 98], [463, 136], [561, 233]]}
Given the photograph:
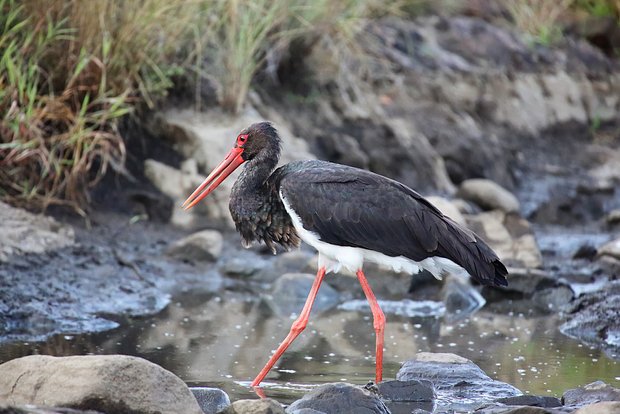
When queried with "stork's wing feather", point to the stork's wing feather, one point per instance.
{"points": [[347, 206]]}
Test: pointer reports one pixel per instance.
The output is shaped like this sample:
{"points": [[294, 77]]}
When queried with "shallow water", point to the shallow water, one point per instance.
{"points": [[223, 341]]}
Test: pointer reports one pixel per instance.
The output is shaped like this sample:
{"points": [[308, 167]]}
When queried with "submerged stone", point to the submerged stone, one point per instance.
{"points": [[405, 396], [591, 393], [405, 307], [594, 318], [459, 383], [291, 290], [461, 298], [411, 390], [211, 400], [263, 406], [340, 398], [514, 409], [531, 400]]}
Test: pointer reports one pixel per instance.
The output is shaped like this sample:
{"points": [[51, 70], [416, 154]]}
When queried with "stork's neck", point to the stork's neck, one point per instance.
{"points": [[251, 181]]}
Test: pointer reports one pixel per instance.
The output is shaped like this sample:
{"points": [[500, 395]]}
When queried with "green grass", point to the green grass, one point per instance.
{"points": [[599, 8]]}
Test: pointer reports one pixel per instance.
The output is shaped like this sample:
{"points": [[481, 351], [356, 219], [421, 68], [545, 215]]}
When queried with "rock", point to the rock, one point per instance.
{"points": [[294, 261], [263, 406], [176, 184], [448, 208], [531, 400], [585, 251], [404, 307], [613, 217], [210, 400], [22, 232], [158, 207], [548, 293], [31, 409], [290, 291], [594, 319], [488, 195], [528, 281], [611, 249], [107, 383], [241, 266], [606, 175], [412, 390], [553, 299], [202, 246], [460, 297], [306, 411], [510, 236], [340, 398], [589, 394], [459, 383], [603, 407], [512, 409]]}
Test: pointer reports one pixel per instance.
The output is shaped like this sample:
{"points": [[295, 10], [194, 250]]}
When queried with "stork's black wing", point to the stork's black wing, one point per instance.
{"points": [[347, 206]]}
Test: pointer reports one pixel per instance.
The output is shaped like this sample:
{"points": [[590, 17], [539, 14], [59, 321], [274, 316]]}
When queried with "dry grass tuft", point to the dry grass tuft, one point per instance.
{"points": [[68, 72], [540, 19]]}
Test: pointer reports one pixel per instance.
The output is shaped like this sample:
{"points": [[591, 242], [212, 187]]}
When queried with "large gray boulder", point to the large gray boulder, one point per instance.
{"points": [[106, 383], [31, 409]]}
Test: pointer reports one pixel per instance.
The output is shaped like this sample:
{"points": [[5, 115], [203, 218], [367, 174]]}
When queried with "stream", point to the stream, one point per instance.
{"points": [[222, 341]]}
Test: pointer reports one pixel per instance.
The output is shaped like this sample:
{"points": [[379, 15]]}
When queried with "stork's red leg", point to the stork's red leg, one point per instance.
{"points": [[378, 323], [298, 326]]}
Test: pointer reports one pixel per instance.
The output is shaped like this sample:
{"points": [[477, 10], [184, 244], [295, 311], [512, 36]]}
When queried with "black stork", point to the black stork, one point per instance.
{"points": [[349, 215]]}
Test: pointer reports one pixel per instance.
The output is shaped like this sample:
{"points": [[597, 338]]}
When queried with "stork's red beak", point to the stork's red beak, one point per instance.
{"points": [[219, 174]]}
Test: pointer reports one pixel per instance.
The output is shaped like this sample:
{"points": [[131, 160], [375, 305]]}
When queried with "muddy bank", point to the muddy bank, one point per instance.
{"points": [[113, 268]]}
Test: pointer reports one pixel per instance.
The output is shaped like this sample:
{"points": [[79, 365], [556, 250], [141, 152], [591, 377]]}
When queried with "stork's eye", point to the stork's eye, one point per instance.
{"points": [[241, 139]]}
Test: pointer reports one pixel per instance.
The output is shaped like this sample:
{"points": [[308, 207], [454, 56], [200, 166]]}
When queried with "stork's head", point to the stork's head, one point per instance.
{"points": [[259, 141]]}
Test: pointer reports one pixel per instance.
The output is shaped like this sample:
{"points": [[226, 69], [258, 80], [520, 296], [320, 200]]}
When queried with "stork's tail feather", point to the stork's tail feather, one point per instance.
{"points": [[465, 248], [500, 274]]}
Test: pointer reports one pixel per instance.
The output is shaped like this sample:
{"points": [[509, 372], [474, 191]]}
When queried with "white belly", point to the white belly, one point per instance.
{"points": [[336, 258]]}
